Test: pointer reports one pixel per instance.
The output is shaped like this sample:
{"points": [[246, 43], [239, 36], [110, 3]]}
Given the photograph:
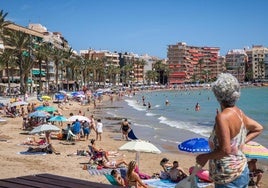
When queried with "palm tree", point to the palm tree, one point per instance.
{"points": [[20, 43], [200, 63], [6, 62], [126, 76], [3, 22], [57, 55], [151, 76]]}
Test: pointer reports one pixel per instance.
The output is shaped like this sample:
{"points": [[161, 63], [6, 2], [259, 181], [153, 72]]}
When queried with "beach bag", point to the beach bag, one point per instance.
{"points": [[190, 181]]}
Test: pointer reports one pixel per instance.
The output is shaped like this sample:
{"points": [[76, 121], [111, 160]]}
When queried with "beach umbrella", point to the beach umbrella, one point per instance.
{"points": [[45, 97], [80, 118], [44, 128], [58, 118], [19, 103], [140, 146], [255, 150], [195, 145], [59, 96], [40, 114], [46, 108]]}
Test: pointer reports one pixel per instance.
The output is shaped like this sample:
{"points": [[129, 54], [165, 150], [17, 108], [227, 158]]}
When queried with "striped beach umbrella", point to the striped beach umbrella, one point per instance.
{"points": [[255, 150]]}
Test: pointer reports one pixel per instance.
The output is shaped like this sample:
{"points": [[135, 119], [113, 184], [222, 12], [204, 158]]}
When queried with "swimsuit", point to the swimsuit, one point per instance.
{"points": [[228, 168]]}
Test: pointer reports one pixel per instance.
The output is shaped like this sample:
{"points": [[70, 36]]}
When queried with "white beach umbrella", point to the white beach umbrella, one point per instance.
{"points": [[140, 146], [80, 118], [44, 128]]}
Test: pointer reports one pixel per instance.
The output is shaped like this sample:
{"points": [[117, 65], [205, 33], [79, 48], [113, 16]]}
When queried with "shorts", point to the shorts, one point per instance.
{"points": [[86, 131], [241, 181]]}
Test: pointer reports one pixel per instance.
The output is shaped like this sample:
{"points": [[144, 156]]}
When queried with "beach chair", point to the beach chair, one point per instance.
{"points": [[95, 156]]}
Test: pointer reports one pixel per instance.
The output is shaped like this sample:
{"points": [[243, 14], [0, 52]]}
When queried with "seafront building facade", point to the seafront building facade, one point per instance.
{"points": [[190, 64], [186, 64], [257, 65], [236, 61]]}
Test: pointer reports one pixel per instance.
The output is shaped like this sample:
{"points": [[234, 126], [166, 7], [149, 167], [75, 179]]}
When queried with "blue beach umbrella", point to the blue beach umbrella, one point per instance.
{"points": [[40, 114], [58, 118], [195, 145], [49, 109]]}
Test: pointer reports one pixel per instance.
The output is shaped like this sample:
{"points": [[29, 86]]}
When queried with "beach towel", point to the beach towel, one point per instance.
{"points": [[98, 172], [131, 135], [159, 183], [111, 179], [31, 153]]}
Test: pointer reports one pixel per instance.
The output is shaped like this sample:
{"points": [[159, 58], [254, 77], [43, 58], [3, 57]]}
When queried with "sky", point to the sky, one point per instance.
{"points": [[147, 26]]}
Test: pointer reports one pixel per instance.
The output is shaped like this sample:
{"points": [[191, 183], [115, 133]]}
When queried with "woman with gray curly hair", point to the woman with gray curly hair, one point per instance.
{"points": [[232, 129]]}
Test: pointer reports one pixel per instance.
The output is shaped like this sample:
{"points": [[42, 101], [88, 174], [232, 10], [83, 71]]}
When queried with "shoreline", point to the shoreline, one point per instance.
{"points": [[71, 166]]}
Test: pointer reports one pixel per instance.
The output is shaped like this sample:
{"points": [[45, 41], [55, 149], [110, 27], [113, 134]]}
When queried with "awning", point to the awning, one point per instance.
{"points": [[37, 73]]}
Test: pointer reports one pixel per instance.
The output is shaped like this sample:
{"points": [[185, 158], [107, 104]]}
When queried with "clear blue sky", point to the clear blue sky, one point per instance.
{"points": [[147, 26]]}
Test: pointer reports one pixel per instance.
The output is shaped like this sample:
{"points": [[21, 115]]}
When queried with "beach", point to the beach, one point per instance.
{"points": [[67, 163]]}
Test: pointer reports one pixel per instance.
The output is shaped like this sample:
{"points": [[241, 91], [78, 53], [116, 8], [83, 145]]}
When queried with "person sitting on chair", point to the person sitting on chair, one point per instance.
{"points": [[254, 171], [120, 181], [176, 173]]}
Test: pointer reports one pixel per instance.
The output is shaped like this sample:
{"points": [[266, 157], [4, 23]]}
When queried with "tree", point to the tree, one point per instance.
{"points": [[3, 23], [151, 76], [21, 45], [200, 63], [7, 61], [57, 55]]}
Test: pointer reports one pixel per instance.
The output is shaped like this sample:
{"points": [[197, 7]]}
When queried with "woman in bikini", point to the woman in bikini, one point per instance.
{"points": [[125, 127], [133, 179]]}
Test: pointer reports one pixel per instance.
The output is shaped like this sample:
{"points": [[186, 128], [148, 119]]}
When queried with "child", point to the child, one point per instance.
{"points": [[99, 130]]}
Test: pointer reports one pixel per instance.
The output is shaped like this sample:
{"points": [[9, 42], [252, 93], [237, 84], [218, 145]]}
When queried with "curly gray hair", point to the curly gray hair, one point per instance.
{"points": [[226, 89]]}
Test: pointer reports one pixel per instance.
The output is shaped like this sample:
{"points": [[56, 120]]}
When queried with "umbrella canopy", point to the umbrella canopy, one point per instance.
{"points": [[58, 118], [59, 96], [44, 128], [19, 103], [46, 108], [140, 146], [255, 150], [80, 118], [195, 145], [45, 97], [40, 114]]}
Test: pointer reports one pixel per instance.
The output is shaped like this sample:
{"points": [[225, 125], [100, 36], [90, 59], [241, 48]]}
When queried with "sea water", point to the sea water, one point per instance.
{"points": [[179, 121]]}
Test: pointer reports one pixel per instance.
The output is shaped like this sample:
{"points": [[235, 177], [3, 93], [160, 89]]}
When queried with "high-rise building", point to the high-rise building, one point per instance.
{"points": [[257, 62], [236, 60], [191, 63]]}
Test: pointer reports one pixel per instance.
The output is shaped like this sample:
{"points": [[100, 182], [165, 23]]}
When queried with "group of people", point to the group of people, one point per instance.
{"points": [[172, 171]]}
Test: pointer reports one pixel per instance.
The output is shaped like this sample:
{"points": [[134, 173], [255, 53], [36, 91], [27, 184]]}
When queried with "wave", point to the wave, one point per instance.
{"points": [[134, 104], [202, 130], [150, 114]]}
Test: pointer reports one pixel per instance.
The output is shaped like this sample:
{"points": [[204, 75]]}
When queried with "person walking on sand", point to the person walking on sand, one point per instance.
{"points": [[125, 127], [227, 163], [99, 129]]}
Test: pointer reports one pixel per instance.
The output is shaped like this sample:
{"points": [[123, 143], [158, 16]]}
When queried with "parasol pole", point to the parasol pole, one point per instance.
{"points": [[138, 158]]}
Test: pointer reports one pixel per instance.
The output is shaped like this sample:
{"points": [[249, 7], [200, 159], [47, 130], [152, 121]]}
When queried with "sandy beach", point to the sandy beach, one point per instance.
{"points": [[13, 164]]}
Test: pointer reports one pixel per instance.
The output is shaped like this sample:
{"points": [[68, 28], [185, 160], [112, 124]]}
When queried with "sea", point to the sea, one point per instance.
{"points": [[179, 121]]}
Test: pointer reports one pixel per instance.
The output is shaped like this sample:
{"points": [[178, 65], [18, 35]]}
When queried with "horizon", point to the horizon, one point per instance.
{"points": [[147, 27]]}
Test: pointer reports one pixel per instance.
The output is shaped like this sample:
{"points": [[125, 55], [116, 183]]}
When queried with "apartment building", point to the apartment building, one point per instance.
{"points": [[109, 61], [257, 63], [192, 64], [236, 61]]}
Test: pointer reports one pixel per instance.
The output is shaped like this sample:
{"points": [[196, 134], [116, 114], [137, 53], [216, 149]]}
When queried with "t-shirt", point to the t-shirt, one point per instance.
{"points": [[99, 127]]}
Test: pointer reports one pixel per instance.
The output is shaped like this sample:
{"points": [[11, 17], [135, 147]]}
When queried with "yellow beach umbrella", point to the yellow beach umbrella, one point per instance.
{"points": [[45, 97]]}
